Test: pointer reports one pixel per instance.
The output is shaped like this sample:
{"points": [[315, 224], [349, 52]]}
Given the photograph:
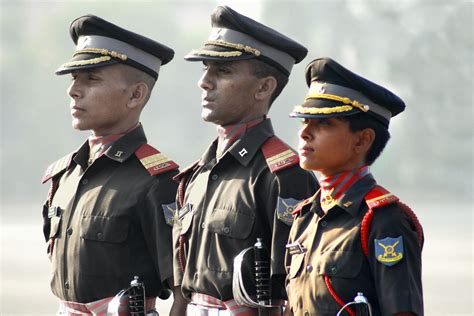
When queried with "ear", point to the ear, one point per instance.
{"points": [[265, 88], [138, 94], [365, 139]]}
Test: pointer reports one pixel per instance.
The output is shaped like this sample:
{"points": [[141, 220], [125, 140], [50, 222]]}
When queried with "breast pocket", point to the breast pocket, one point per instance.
{"points": [[104, 241], [228, 231], [104, 229], [340, 264]]}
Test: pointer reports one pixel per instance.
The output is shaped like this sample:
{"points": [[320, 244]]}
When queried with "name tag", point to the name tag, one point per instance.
{"points": [[54, 211], [184, 210], [295, 248]]}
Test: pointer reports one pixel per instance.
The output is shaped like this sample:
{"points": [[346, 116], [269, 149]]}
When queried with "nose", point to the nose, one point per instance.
{"points": [[205, 82], [74, 89], [304, 132]]}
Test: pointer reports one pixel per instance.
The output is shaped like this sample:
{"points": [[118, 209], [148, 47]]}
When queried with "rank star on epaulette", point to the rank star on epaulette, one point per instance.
{"points": [[285, 208], [169, 211], [389, 251]]}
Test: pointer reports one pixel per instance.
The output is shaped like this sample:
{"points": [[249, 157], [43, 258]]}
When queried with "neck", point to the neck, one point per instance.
{"points": [[336, 185], [229, 133], [117, 131]]}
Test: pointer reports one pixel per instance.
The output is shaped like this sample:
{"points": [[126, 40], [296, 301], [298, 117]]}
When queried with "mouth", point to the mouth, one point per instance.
{"points": [[76, 110], [305, 150], [206, 99]]}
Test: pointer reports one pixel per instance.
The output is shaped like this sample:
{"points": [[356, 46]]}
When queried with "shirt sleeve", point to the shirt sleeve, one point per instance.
{"points": [[157, 232], [281, 194], [398, 284]]}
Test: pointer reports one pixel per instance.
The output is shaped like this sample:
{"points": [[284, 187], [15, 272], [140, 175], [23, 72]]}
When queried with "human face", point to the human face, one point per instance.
{"points": [[99, 99], [228, 92], [328, 145]]}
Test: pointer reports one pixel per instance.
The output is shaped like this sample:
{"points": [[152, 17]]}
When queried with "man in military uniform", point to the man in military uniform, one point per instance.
{"points": [[353, 242], [108, 216], [248, 181]]}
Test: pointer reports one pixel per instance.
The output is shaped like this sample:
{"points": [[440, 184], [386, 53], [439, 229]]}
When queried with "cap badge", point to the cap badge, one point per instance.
{"points": [[215, 35]]}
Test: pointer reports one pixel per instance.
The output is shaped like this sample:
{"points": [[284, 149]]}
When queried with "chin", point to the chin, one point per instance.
{"points": [[78, 126], [308, 164]]}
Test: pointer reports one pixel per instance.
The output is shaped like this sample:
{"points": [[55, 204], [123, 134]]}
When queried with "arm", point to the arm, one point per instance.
{"points": [[156, 230], [179, 303], [398, 284]]}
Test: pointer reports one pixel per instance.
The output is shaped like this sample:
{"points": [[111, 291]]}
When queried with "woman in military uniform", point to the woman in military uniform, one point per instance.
{"points": [[354, 248]]}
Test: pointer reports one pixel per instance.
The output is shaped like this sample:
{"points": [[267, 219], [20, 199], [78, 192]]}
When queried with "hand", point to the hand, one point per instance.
{"points": [[179, 303]]}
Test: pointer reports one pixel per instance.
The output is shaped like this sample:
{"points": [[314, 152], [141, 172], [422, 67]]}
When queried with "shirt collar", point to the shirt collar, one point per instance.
{"points": [[228, 134], [353, 198], [244, 148], [120, 150]]}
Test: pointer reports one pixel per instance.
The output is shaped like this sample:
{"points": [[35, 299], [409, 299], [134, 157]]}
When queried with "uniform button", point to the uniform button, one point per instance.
{"points": [[84, 181], [66, 285], [69, 231], [203, 225], [214, 177], [324, 223], [226, 230], [309, 268], [333, 270], [100, 236]]}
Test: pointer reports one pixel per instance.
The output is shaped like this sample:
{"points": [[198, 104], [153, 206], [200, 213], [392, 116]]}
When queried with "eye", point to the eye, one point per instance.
{"points": [[92, 77], [224, 70], [304, 121], [324, 121]]}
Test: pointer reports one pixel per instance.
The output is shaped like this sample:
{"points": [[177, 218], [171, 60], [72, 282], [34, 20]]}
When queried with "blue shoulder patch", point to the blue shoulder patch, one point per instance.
{"points": [[168, 211], [285, 208], [389, 251]]}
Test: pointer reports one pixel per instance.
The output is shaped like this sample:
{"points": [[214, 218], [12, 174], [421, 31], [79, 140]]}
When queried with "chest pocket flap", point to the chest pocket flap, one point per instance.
{"points": [[342, 264], [231, 223], [106, 229]]}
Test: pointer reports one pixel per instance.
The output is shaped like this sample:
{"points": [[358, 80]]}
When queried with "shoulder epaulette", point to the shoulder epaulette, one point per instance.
{"points": [[278, 155], [378, 197], [57, 167], [153, 160]]}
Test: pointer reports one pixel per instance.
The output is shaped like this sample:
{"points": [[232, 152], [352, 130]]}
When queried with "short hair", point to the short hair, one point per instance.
{"points": [[133, 75], [261, 69], [362, 121]]}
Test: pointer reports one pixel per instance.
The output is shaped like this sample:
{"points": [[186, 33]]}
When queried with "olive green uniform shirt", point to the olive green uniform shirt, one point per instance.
{"points": [[227, 205], [331, 246], [110, 225]]}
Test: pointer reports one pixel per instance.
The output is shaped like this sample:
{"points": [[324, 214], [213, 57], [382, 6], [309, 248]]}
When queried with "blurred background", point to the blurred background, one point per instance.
{"points": [[422, 50]]}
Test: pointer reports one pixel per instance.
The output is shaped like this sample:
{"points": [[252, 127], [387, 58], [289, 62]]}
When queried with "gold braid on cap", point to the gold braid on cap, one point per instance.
{"points": [[213, 53], [240, 47], [87, 61], [349, 105], [101, 51]]}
